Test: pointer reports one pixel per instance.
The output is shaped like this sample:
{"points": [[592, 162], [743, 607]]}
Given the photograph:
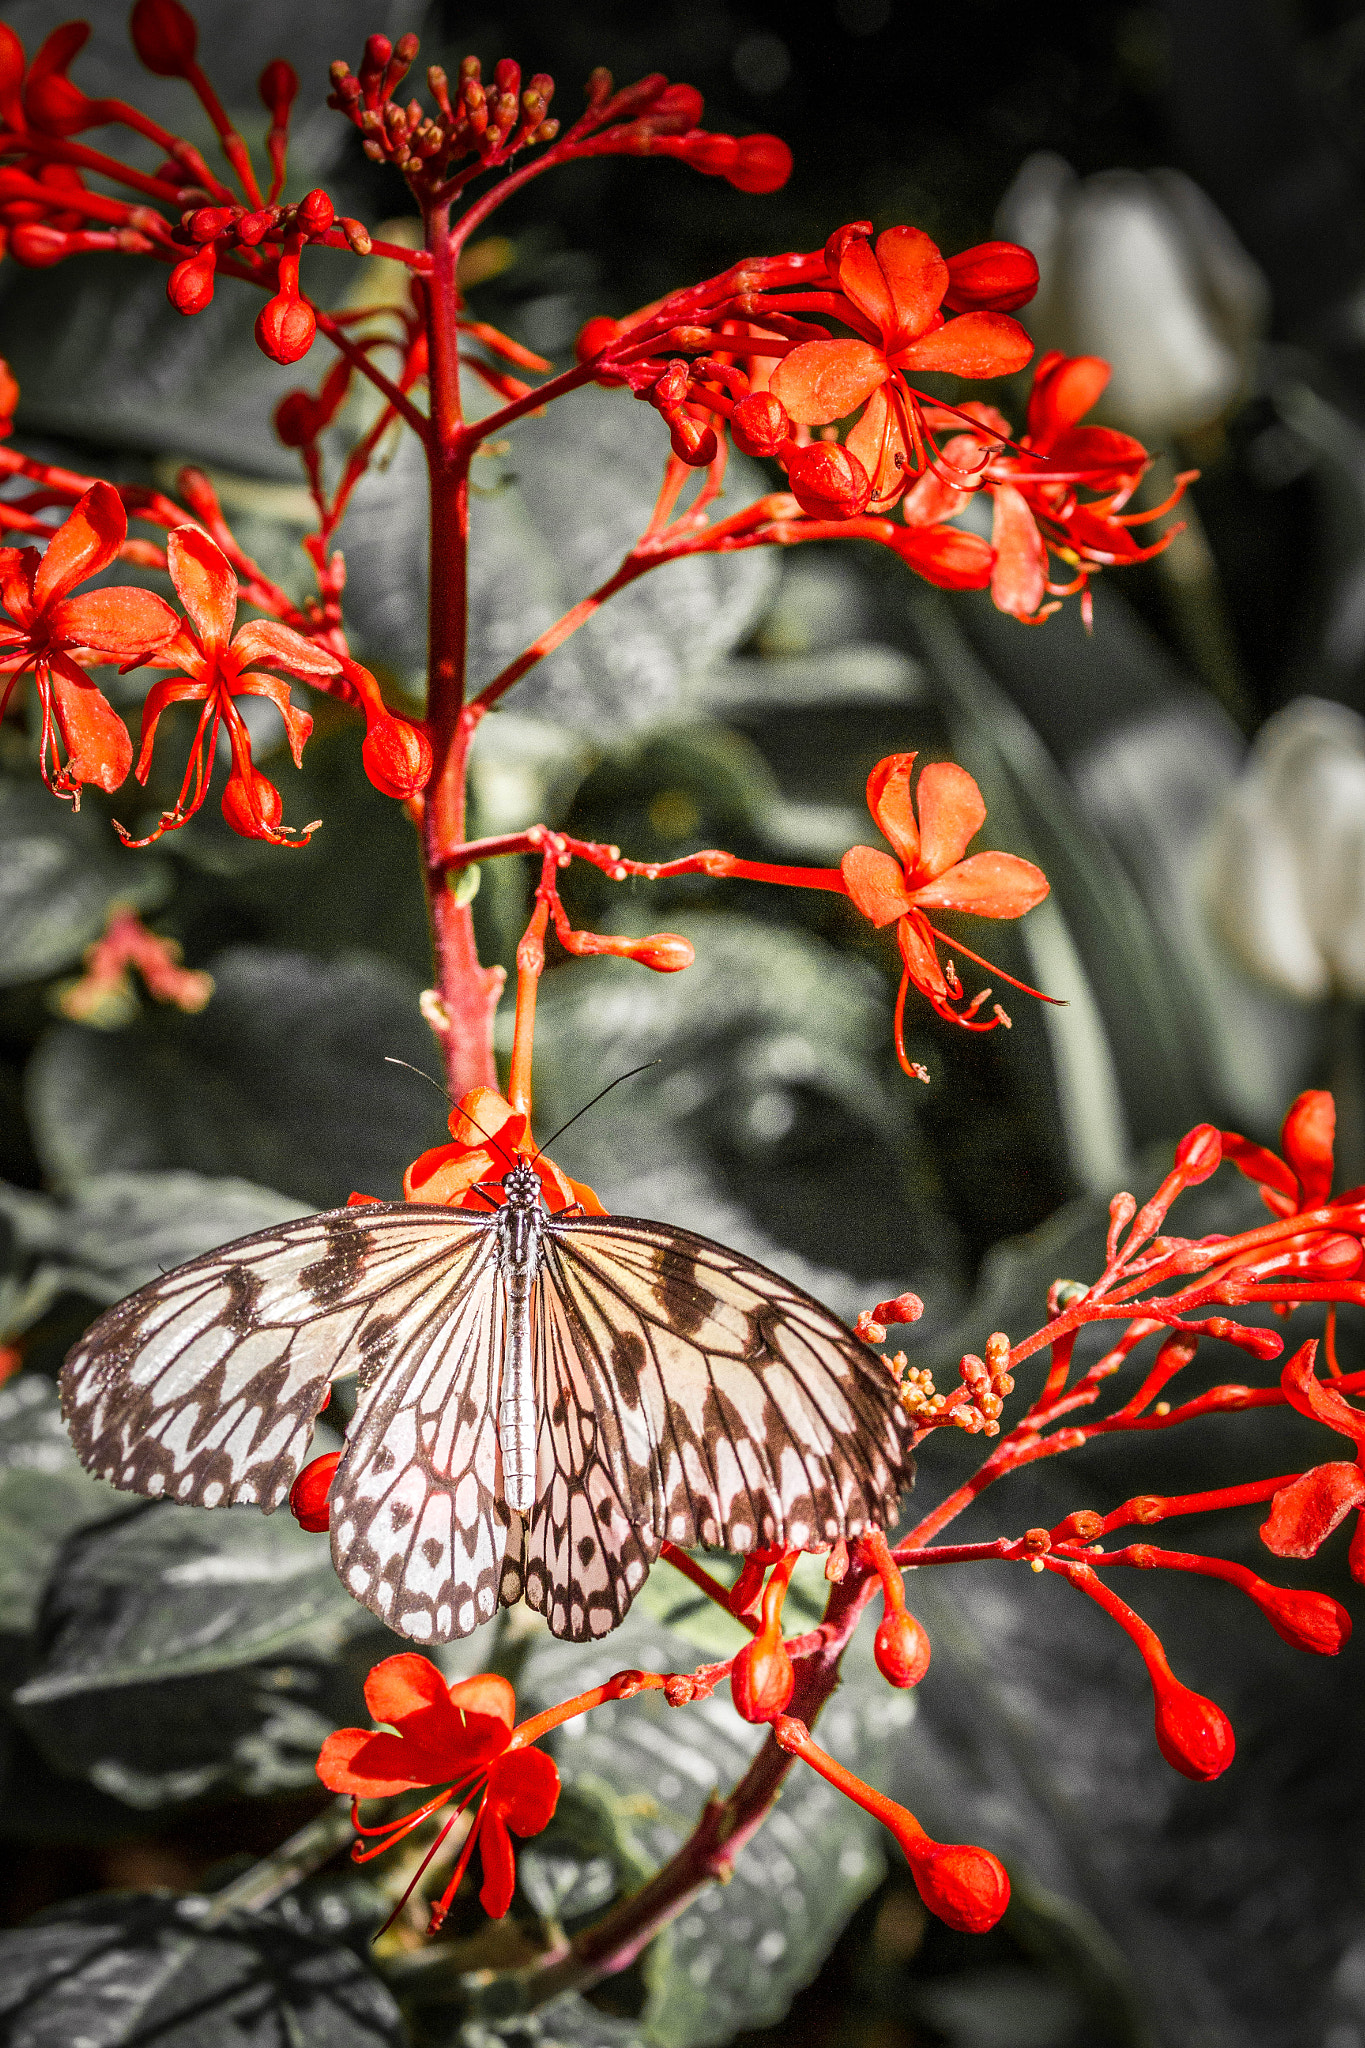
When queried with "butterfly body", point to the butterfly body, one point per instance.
{"points": [[542, 1400]]}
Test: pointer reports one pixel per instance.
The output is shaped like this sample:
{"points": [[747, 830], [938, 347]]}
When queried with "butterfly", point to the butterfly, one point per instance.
{"points": [[542, 1400]]}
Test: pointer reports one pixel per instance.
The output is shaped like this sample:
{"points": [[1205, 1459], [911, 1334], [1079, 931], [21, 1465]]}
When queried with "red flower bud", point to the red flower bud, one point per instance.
{"points": [[901, 1648], [285, 327], [828, 482], [994, 277], [315, 212], [278, 87], [1199, 1153], [165, 37], [762, 1679], [763, 163], [906, 1308], [38, 246], [1308, 1621], [296, 419], [206, 223], [190, 285], [692, 442], [760, 424], [594, 335], [308, 1495], [397, 756], [965, 1887], [837, 246], [253, 813], [665, 952], [1193, 1734], [12, 69]]}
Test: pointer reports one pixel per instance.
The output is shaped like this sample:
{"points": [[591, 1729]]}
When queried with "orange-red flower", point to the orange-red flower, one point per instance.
{"points": [[893, 295], [489, 1138], [215, 670], [55, 635], [460, 1740], [930, 873], [1304, 1513], [1303, 1178]]}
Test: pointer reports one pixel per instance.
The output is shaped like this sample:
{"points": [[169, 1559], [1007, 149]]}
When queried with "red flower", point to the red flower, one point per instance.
{"points": [[56, 635], [1304, 1513], [460, 1739], [217, 669], [490, 1136], [929, 873], [1303, 1178], [892, 298]]}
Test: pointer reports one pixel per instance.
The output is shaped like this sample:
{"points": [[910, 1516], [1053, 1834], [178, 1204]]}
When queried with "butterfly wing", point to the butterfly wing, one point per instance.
{"points": [[419, 1527], [204, 1386], [728, 1409]]}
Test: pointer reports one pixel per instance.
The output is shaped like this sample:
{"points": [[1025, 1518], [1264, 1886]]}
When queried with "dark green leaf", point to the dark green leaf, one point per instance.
{"points": [[132, 1970], [45, 1494], [184, 1653], [60, 873], [282, 1079]]}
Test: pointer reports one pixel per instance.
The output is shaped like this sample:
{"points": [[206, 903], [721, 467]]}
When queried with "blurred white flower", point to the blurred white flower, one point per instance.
{"points": [[1142, 269], [1286, 853]]}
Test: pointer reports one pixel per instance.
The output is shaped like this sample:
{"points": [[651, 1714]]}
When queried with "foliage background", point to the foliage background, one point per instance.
{"points": [[169, 1675]]}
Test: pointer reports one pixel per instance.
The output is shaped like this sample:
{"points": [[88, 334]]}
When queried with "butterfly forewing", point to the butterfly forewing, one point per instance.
{"points": [[204, 1386]]}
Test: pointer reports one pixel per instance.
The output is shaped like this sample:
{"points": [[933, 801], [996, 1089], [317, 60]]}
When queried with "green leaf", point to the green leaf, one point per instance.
{"points": [[60, 874], [281, 1080], [131, 1969], [187, 1653], [45, 1494]]}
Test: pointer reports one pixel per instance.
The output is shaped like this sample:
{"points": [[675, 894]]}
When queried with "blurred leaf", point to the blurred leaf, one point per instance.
{"points": [[60, 873], [45, 1494], [131, 1969], [182, 1653], [565, 2023], [282, 1079], [553, 513]]}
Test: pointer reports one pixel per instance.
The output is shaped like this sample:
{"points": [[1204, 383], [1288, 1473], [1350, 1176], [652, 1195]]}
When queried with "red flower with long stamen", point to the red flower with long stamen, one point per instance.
{"points": [[930, 873], [52, 634], [216, 669], [458, 1742], [893, 296], [489, 1138]]}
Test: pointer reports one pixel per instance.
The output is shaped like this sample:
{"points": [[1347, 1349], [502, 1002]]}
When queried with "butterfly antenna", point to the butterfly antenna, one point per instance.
{"points": [[629, 1075], [390, 1061]]}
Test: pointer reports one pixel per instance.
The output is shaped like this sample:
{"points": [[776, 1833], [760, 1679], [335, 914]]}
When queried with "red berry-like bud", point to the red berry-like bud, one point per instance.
{"points": [[965, 1887], [315, 212], [308, 1495], [763, 163], [676, 109], [901, 1648], [714, 155], [285, 328], [190, 285], [254, 814], [665, 952], [278, 87], [594, 335], [38, 247], [760, 424], [296, 419], [762, 1679], [1308, 1621], [993, 277], [906, 1308], [692, 442], [206, 223], [397, 756], [165, 36], [828, 482], [1193, 1734], [1199, 1153]]}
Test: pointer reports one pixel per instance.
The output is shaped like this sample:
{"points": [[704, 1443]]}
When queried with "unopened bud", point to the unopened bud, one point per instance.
{"points": [[396, 756], [315, 212], [1193, 1734], [308, 1495], [357, 235], [1199, 1153], [1308, 1621], [994, 277], [278, 87], [296, 419], [762, 1679], [693, 443], [285, 328], [901, 1648], [665, 952], [38, 247], [760, 424], [165, 37], [965, 1887], [763, 163], [828, 482], [248, 812]]}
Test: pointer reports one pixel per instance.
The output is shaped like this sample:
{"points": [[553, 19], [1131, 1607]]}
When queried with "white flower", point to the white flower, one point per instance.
{"points": [[1286, 862]]}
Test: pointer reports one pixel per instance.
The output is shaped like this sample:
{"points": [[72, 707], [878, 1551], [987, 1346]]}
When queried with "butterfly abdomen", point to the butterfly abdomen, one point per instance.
{"points": [[519, 1260]]}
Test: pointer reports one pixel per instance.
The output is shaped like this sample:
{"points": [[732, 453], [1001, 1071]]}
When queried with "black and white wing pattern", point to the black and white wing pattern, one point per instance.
{"points": [[204, 1385], [686, 1393]]}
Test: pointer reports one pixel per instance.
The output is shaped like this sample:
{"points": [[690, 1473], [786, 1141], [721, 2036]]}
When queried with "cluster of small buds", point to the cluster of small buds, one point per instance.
{"points": [[491, 120], [286, 324], [692, 441]]}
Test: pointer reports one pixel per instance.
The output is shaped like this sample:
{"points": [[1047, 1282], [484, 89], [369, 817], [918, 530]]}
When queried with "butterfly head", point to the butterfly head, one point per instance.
{"points": [[521, 1187]]}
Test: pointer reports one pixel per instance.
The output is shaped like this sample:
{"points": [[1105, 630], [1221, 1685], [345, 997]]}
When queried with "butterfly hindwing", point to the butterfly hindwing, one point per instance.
{"points": [[419, 1529], [747, 1412], [204, 1385]]}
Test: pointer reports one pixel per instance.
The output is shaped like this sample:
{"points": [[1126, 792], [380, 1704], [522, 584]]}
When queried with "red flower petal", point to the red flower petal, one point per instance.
{"points": [[1311, 1396], [916, 942], [205, 583], [297, 723], [917, 276], [523, 1788], [486, 1696], [972, 345], [946, 557], [888, 799], [1266, 1168], [876, 884], [1019, 578], [951, 813], [98, 748], [264, 640], [371, 1766], [863, 281], [988, 885], [125, 621], [86, 542], [826, 380], [499, 1864], [1102, 450], [1064, 389], [1304, 1513], [879, 445], [1307, 1135]]}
